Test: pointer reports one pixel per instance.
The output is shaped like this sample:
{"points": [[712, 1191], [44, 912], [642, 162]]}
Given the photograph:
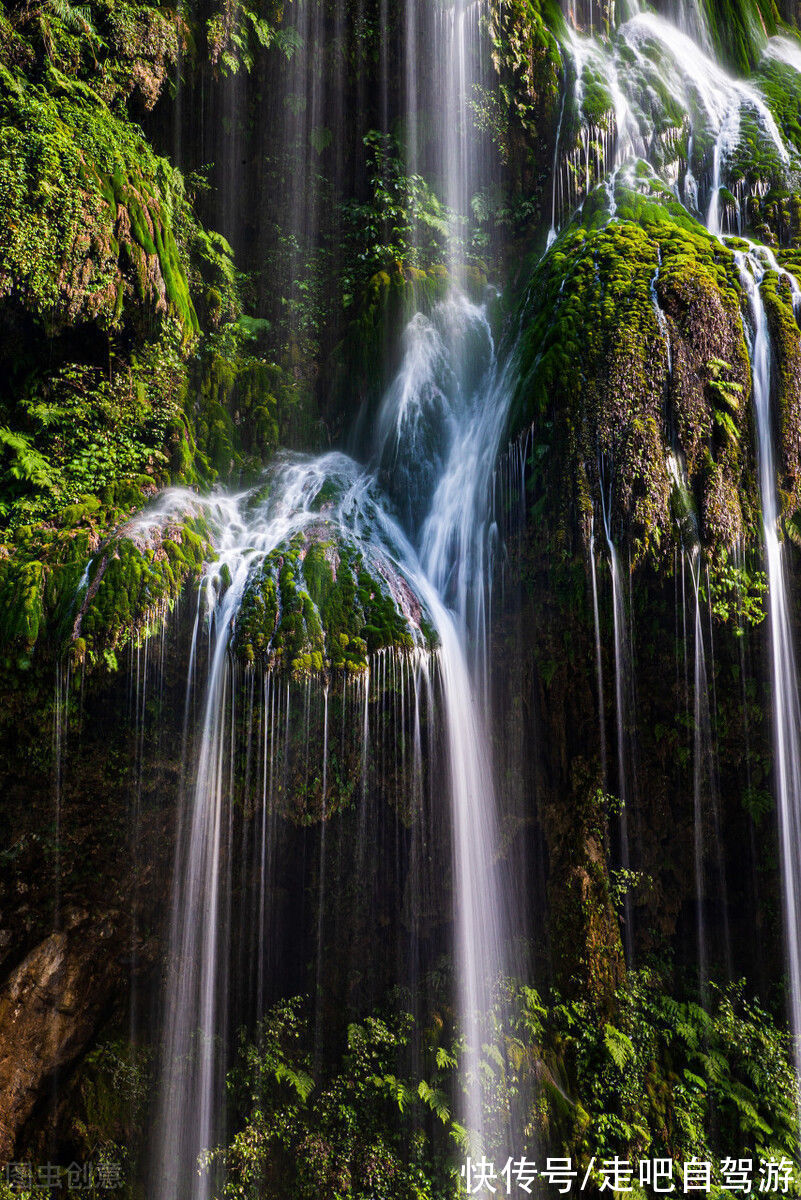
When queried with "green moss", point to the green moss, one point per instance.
{"points": [[132, 586], [786, 340], [241, 408], [527, 58], [73, 178], [99, 236], [607, 412], [739, 28], [313, 607], [57, 588]]}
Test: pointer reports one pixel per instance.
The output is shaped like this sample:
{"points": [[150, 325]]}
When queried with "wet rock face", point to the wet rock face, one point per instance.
{"points": [[50, 1008]]}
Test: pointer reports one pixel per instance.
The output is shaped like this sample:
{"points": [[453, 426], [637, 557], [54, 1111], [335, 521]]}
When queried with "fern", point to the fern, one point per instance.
{"points": [[460, 1136], [618, 1047], [446, 1061], [724, 421], [27, 464], [299, 1081], [395, 1088], [435, 1099]]}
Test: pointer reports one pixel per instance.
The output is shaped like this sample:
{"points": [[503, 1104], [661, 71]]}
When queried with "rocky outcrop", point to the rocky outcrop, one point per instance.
{"points": [[50, 1008]]}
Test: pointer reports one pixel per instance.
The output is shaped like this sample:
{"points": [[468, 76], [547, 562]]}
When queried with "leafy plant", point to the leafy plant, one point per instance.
{"points": [[237, 32], [736, 592], [665, 1078], [357, 1129], [726, 399], [403, 222]]}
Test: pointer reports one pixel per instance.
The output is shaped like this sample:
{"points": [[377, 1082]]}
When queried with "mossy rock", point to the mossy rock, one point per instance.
{"points": [[94, 586], [315, 606], [90, 210], [621, 322]]}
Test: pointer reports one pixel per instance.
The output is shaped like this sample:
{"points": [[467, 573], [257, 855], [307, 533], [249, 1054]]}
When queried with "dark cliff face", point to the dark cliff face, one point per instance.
{"points": [[165, 365]]}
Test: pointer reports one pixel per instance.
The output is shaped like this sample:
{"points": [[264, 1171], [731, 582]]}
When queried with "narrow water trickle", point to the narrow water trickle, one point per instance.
{"points": [[623, 714], [599, 671], [60, 702]]}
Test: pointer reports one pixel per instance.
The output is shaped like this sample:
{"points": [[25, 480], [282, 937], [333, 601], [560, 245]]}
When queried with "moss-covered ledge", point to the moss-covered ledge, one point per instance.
{"points": [[324, 599], [92, 214], [93, 580]]}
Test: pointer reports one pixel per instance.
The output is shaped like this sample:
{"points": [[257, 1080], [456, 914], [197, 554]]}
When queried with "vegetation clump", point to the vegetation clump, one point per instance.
{"points": [[665, 1078], [662, 1078], [362, 1127]]}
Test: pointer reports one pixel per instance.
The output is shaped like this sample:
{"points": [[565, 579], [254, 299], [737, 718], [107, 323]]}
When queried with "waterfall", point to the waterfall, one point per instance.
{"points": [[421, 506], [700, 718], [784, 676], [466, 406], [193, 1075], [449, 575], [705, 791], [635, 123], [599, 671], [247, 528], [440, 427]]}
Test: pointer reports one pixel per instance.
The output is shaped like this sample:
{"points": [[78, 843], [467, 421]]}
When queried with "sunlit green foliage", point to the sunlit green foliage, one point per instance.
{"points": [[403, 222]]}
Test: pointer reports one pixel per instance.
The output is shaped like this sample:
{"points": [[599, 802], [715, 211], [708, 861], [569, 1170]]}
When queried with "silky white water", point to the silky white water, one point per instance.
{"points": [[441, 559], [246, 528], [646, 58], [624, 716], [451, 393], [433, 454]]}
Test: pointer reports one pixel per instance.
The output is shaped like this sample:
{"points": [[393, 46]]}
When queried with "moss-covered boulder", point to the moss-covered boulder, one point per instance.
{"points": [[635, 376], [100, 257], [315, 605], [94, 581]]}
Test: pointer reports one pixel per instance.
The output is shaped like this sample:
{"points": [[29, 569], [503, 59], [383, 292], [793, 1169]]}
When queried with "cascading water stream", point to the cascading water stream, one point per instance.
{"points": [[465, 407], [646, 55], [248, 528], [705, 790], [451, 383], [599, 673], [784, 677], [623, 713], [449, 577]]}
